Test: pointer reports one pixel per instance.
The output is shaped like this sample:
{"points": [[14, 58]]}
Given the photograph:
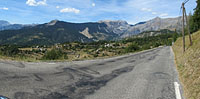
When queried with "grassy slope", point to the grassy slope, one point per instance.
{"points": [[188, 65]]}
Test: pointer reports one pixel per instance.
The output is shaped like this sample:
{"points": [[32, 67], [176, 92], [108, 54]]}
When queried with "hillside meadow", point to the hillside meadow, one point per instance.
{"points": [[188, 65]]}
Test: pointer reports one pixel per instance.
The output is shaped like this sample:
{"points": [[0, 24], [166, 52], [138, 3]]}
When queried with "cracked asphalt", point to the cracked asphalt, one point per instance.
{"points": [[144, 75]]}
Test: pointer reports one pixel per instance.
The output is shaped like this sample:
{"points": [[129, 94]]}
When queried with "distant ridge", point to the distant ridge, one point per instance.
{"points": [[57, 31], [5, 25]]}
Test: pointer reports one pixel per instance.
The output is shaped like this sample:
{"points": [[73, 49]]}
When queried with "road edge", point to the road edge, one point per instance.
{"points": [[177, 83]]}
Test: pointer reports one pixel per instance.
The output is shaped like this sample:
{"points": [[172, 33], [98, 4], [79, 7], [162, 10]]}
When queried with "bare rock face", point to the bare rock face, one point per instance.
{"points": [[53, 22], [118, 27], [155, 25], [86, 33], [123, 29], [159, 23], [59, 31]]}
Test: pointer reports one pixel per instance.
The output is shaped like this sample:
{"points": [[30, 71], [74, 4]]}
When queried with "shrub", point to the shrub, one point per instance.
{"points": [[54, 55], [146, 46], [132, 47], [10, 50], [95, 55]]}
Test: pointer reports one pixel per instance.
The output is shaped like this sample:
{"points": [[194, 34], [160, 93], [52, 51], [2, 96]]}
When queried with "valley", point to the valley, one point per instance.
{"points": [[100, 49], [73, 51]]}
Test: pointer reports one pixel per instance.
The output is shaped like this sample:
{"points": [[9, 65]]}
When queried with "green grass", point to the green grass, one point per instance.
{"points": [[188, 65]]}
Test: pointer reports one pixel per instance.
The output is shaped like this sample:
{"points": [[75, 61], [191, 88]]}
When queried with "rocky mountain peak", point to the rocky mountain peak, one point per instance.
{"points": [[4, 23], [62, 31], [53, 22], [157, 19], [119, 22]]}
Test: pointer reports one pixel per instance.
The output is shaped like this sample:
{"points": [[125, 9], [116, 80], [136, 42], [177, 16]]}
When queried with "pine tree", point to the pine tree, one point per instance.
{"points": [[196, 17], [191, 22]]}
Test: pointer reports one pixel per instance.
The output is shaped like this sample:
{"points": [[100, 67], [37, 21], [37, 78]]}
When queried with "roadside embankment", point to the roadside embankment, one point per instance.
{"points": [[188, 65]]}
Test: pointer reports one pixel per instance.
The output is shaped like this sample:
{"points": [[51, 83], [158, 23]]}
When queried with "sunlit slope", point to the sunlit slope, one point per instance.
{"points": [[188, 65]]}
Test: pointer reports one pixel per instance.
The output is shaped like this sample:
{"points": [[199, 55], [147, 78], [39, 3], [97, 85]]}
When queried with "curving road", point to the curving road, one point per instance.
{"points": [[145, 75]]}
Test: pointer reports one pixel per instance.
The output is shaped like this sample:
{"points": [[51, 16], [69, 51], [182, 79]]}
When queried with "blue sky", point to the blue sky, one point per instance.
{"points": [[79, 11]]}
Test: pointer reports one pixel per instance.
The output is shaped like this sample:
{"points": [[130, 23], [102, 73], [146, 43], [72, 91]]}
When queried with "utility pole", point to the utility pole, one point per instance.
{"points": [[183, 27], [188, 26]]}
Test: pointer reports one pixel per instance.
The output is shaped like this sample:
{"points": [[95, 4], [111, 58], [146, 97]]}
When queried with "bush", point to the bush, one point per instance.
{"points": [[95, 55], [54, 55], [156, 44], [132, 47], [10, 50], [146, 46]]}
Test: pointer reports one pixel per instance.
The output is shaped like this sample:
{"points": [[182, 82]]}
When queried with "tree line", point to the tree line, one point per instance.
{"points": [[194, 20]]}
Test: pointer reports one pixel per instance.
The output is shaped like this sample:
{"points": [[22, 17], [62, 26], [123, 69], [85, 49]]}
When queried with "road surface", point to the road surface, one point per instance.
{"points": [[145, 75]]}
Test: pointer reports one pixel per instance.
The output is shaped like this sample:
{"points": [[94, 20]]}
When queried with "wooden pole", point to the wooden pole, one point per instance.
{"points": [[188, 27], [183, 28]]}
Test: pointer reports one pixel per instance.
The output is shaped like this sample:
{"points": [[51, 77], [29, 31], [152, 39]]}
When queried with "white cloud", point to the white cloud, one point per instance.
{"points": [[57, 7], [164, 15], [146, 9], [4, 8], [31, 2], [35, 3], [93, 4], [42, 2], [154, 13], [149, 10], [73, 10]]}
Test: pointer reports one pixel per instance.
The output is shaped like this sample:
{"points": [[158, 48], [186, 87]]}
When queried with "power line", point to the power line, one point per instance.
{"points": [[179, 21], [186, 1], [180, 11], [184, 4]]}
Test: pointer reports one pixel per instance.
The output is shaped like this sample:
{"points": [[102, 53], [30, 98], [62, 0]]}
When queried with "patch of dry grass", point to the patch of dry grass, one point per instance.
{"points": [[188, 65]]}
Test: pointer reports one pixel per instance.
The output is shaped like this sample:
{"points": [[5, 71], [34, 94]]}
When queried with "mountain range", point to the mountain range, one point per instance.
{"points": [[5, 25], [59, 31]]}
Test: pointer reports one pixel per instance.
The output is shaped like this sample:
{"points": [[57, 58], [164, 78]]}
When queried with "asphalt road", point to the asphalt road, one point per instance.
{"points": [[145, 75]]}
